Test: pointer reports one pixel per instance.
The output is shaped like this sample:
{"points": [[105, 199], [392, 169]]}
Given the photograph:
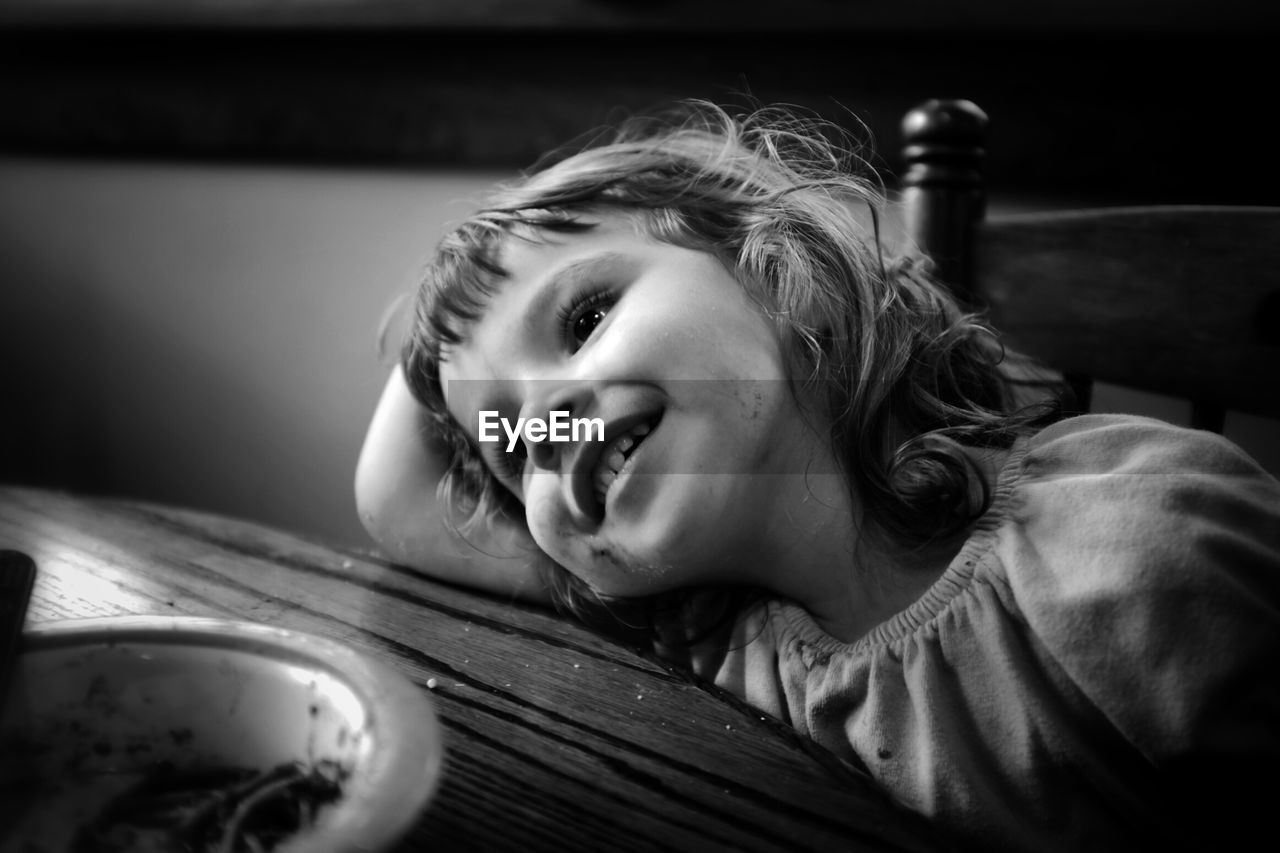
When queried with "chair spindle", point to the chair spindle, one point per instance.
{"points": [[944, 202], [943, 196]]}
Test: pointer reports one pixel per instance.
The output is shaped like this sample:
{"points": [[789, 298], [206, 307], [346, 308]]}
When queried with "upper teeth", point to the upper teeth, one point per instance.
{"points": [[614, 457]]}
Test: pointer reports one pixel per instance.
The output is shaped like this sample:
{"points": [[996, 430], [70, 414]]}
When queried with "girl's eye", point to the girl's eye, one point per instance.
{"points": [[583, 316], [586, 323]]}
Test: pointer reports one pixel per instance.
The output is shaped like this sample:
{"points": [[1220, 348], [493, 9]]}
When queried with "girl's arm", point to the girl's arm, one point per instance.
{"points": [[400, 465]]}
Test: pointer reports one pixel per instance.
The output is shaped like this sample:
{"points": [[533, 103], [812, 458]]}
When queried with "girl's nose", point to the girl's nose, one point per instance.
{"points": [[554, 403], [545, 454]]}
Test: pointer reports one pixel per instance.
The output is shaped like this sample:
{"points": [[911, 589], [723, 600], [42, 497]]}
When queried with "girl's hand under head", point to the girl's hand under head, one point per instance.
{"points": [[709, 470], [400, 466]]}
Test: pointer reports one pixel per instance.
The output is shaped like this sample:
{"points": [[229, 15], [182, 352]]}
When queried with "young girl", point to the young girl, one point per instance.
{"points": [[813, 487]]}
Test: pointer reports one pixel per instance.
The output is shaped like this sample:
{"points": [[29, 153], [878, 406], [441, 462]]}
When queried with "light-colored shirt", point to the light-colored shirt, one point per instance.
{"points": [[1095, 670]]}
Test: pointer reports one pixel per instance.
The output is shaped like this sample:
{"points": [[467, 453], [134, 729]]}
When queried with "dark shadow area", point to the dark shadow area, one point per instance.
{"points": [[1161, 117]]}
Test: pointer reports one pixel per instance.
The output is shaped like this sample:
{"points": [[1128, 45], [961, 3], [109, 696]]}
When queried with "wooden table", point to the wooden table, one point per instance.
{"points": [[557, 738]]}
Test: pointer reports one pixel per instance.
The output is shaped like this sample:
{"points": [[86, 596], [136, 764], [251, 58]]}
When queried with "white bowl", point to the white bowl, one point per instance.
{"points": [[94, 703]]}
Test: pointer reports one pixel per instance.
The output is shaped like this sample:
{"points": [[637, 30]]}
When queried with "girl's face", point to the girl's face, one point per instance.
{"points": [[707, 461]]}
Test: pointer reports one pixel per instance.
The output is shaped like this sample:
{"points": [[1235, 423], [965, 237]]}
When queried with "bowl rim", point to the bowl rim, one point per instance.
{"points": [[403, 776]]}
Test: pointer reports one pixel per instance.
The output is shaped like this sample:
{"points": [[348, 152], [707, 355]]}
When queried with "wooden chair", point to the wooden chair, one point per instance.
{"points": [[1179, 300]]}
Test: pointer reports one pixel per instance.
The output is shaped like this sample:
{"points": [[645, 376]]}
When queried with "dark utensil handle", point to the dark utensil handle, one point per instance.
{"points": [[17, 577]]}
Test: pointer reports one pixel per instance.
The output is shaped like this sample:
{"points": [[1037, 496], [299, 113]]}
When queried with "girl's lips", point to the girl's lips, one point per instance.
{"points": [[615, 458], [599, 464]]}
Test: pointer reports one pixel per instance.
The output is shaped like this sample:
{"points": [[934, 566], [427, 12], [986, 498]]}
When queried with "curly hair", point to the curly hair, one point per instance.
{"points": [[907, 377]]}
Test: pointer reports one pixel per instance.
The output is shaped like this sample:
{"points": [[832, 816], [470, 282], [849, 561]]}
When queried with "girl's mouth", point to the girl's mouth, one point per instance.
{"points": [[615, 458]]}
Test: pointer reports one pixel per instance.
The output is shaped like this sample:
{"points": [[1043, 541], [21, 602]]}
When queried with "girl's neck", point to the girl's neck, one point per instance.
{"points": [[850, 585]]}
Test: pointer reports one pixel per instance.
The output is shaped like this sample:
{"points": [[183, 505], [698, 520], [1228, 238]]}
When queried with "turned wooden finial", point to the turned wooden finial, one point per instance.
{"points": [[943, 194], [945, 142]]}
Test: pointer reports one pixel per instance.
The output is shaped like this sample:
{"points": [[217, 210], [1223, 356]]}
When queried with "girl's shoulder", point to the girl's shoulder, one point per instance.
{"points": [[1129, 444], [1102, 507], [1145, 557], [1123, 505]]}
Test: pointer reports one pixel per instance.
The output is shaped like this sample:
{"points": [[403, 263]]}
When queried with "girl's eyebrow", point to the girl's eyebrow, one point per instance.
{"points": [[568, 278]]}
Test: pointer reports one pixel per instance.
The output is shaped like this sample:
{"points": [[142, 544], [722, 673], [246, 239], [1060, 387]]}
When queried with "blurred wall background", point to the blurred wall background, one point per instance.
{"points": [[204, 335]]}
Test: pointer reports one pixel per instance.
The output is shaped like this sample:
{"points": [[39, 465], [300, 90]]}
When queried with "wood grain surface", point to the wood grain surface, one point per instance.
{"points": [[557, 738]]}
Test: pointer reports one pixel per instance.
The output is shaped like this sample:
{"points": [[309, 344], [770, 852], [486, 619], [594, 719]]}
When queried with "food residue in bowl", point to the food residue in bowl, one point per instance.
{"points": [[210, 809]]}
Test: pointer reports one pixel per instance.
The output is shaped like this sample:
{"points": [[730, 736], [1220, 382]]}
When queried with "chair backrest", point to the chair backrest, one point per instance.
{"points": [[1180, 300]]}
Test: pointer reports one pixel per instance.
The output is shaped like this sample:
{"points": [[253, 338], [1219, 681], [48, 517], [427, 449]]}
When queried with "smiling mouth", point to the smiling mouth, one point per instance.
{"points": [[614, 459]]}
